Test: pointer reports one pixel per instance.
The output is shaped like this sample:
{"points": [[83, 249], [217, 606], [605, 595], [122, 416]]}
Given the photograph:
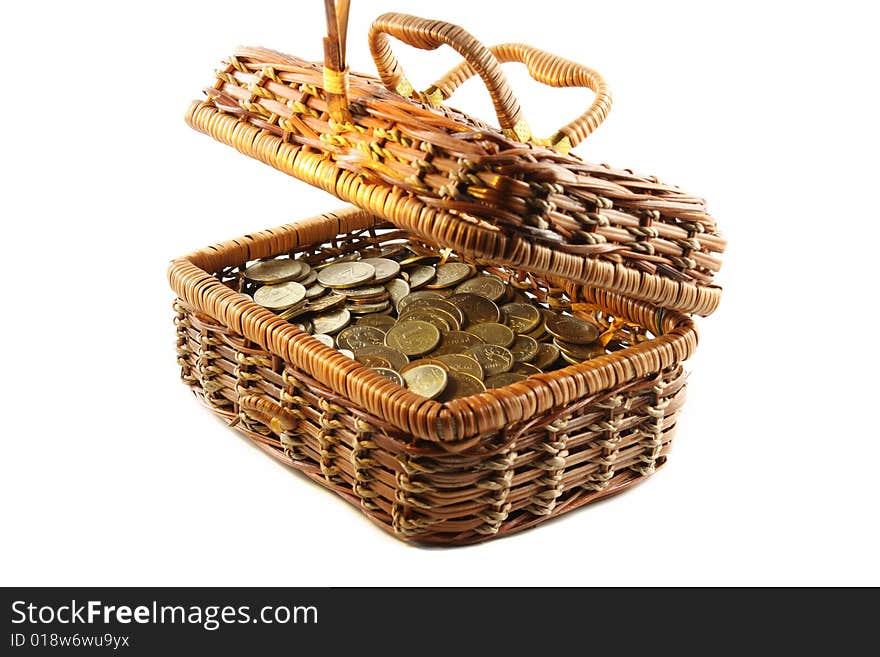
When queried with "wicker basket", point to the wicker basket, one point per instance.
{"points": [[586, 238], [456, 472]]}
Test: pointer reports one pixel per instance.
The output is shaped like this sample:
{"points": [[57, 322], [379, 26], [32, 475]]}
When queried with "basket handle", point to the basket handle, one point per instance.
{"points": [[549, 69], [335, 68], [430, 35], [544, 67]]}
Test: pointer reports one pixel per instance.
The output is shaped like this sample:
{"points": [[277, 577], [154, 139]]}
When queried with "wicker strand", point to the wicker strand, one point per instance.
{"points": [[364, 465], [292, 401], [184, 352], [544, 500]]}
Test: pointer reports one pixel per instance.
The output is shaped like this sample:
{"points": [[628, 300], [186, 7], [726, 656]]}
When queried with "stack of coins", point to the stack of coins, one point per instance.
{"points": [[426, 321]]}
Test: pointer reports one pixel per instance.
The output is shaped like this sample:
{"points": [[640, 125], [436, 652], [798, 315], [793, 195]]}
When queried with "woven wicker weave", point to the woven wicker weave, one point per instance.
{"points": [[447, 177], [596, 241]]}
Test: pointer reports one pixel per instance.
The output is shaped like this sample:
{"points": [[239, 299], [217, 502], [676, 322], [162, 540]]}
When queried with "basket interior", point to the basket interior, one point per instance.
{"points": [[546, 293]]}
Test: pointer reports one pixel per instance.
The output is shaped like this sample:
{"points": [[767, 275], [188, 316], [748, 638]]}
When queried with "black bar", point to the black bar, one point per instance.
{"points": [[387, 621]]}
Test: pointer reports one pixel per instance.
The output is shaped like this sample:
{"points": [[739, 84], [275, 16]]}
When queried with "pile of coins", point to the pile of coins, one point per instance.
{"points": [[433, 325]]}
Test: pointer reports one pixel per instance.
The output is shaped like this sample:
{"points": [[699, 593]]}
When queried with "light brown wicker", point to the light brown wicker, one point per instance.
{"points": [[586, 238]]}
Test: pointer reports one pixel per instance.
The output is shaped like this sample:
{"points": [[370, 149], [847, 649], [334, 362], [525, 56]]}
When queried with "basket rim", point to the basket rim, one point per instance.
{"points": [[457, 424]]}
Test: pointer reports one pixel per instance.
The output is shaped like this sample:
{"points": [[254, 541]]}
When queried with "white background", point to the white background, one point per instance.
{"points": [[112, 474]]}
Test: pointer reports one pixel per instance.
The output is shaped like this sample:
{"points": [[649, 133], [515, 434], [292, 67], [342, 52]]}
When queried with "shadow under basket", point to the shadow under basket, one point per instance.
{"points": [[450, 473]]}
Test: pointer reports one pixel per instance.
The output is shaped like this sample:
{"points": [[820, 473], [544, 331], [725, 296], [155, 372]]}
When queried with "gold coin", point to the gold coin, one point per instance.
{"points": [[572, 329], [456, 342], [462, 363], [281, 296], [325, 339], [383, 322], [391, 375], [435, 317], [571, 360], [504, 379], [476, 309], [426, 380], [524, 349], [525, 368], [451, 273], [493, 359], [486, 285], [346, 274], [416, 296], [420, 311], [424, 361], [397, 290], [385, 269], [413, 337], [521, 317], [493, 334], [271, 272], [438, 304], [356, 337], [460, 385], [331, 322], [397, 359], [374, 361], [546, 356], [421, 275], [538, 335], [580, 352]]}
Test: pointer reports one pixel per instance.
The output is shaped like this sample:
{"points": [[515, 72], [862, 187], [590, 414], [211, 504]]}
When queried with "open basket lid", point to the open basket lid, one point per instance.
{"points": [[495, 196]]}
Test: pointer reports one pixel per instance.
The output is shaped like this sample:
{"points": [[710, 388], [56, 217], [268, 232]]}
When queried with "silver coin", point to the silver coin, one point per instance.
{"points": [[421, 275], [346, 274], [364, 291], [309, 279], [426, 380], [391, 375], [316, 290], [325, 339], [331, 322], [281, 296], [272, 272], [398, 289], [385, 269]]}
